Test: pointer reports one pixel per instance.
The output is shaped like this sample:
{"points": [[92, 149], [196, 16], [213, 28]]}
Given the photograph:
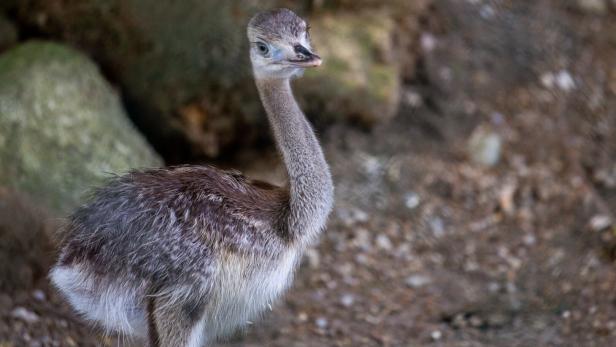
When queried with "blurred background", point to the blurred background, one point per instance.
{"points": [[472, 144]]}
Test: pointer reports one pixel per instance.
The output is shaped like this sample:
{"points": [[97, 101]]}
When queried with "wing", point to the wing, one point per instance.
{"points": [[166, 223]]}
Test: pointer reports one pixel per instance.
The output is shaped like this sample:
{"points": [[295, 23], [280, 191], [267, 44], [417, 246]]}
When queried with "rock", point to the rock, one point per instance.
{"points": [[561, 80], [411, 200], [321, 322], [39, 295], [347, 300], [428, 42], [437, 226], [25, 315], [506, 197], [417, 281], [600, 222], [184, 70], [360, 77], [383, 242], [436, 335], [592, 6], [62, 126], [484, 146]]}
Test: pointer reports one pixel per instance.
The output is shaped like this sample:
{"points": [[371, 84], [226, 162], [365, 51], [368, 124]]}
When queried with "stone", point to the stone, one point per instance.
{"points": [[411, 200], [62, 127], [600, 222], [383, 242], [592, 6], [321, 322], [360, 77], [25, 315], [184, 71], [484, 146], [39, 295], [417, 281], [347, 300]]}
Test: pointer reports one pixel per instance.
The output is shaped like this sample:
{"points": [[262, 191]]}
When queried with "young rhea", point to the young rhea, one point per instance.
{"points": [[183, 255]]}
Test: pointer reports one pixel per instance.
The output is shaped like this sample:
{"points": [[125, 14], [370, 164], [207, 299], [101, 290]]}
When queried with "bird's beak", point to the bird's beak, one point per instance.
{"points": [[304, 58]]}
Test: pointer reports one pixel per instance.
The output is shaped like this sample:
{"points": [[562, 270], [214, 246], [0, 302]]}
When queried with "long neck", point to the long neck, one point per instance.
{"points": [[310, 184]]}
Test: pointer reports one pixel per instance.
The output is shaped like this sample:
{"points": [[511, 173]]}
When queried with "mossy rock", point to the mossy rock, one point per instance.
{"points": [[185, 75], [62, 126], [359, 79]]}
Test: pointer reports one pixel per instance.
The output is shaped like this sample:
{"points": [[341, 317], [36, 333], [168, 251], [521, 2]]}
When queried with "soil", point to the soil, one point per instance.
{"points": [[427, 247]]}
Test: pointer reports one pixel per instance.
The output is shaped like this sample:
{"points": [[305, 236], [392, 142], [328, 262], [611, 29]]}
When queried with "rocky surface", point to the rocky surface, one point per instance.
{"points": [[361, 74], [184, 70], [62, 127]]}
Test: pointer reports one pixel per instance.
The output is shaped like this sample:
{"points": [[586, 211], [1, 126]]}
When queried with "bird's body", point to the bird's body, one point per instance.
{"points": [[157, 232], [183, 255]]}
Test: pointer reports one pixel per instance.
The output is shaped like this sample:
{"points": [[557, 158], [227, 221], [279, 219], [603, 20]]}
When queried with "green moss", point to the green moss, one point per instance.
{"points": [[63, 125], [356, 80]]}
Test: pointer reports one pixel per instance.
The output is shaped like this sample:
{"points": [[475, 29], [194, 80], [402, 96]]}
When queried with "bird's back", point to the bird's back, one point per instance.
{"points": [[165, 224]]}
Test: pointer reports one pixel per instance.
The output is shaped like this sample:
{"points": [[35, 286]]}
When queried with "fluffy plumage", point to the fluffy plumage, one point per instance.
{"points": [[182, 255]]}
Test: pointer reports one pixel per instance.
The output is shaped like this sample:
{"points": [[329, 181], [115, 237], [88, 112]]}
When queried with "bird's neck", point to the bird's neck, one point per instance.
{"points": [[310, 182]]}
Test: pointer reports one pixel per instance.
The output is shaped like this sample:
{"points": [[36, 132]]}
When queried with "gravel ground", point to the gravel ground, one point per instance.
{"points": [[483, 215]]}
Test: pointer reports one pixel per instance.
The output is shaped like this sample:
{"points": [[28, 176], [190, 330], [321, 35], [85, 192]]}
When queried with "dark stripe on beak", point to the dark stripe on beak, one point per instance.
{"points": [[299, 49]]}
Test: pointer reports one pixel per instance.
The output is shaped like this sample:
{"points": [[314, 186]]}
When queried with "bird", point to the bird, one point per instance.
{"points": [[185, 255]]}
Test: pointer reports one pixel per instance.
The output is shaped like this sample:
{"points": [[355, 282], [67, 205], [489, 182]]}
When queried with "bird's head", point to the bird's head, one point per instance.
{"points": [[280, 44]]}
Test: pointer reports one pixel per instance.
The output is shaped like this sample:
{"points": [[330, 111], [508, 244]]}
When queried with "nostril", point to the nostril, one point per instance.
{"points": [[299, 49]]}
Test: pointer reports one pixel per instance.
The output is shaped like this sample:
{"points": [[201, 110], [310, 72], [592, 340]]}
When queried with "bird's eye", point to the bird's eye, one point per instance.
{"points": [[263, 48]]}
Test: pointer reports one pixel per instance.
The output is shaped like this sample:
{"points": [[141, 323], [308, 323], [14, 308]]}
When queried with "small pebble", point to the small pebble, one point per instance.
{"points": [[487, 12], [436, 335], [600, 222], [413, 99], [347, 300], [302, 317], [411, 200], [428, 42], [321, 322], [25, 315], [593, 6], [383, 242], [437, 226], [493, 287], [417, 281], [484, 146], [529, 239], [564, 81], [561, 80], [39, 295], [372, 165]]}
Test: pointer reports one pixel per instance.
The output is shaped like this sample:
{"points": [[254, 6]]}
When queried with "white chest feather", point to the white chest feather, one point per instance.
{"points": [[246, 287]]}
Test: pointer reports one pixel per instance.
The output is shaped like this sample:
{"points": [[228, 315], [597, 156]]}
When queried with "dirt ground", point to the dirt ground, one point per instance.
{"points": [[427, 247]]}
